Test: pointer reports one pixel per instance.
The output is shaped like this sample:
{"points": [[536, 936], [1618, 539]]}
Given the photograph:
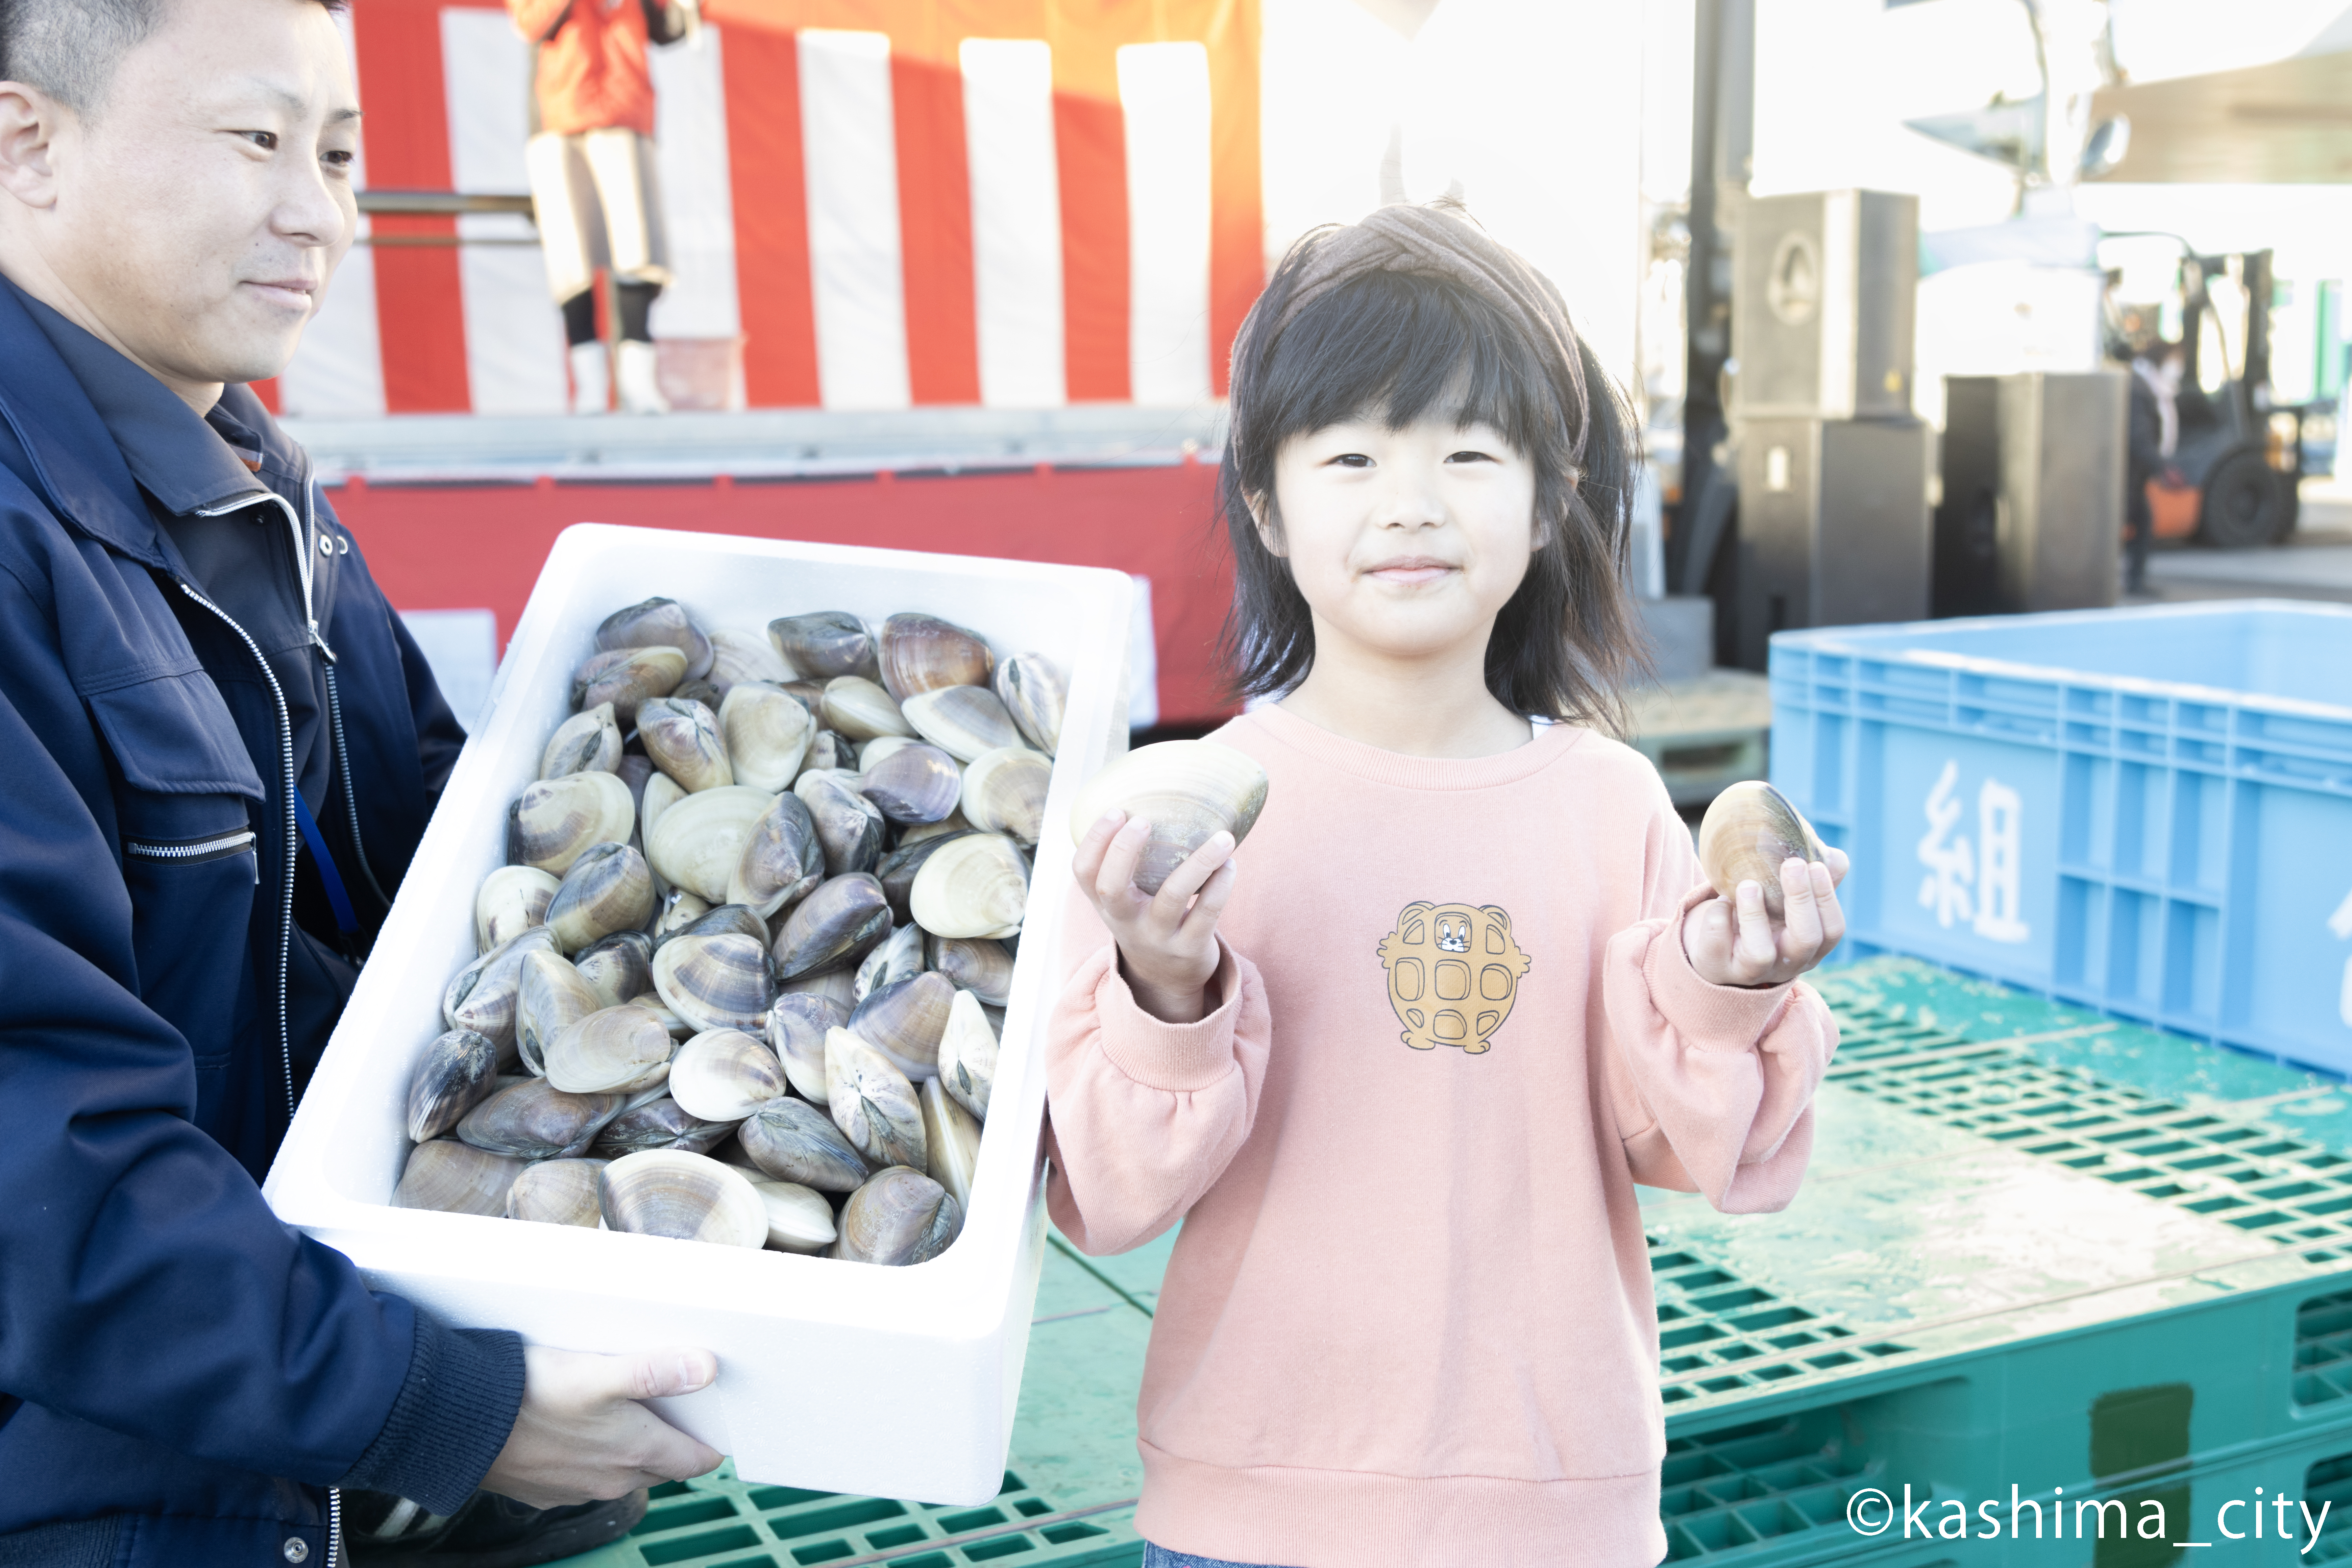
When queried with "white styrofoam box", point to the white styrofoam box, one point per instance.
{"points": [[832, 1375]]}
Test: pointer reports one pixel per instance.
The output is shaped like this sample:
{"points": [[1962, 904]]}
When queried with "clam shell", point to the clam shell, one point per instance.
{"points": [[659, 1123], [973, 963], [783, 859], [833, 927], [900, 957], [897, 869], [1189, 790], [1004, 792], [799, 1219], [921, 652], [451, 1178], [688, 1197], [847, 825], [974, 886], [550, 997], [680, 909], [950, 1141], [874, 1103], [1749, 832], [860, 710], [1034, 692], [768, 734], [794, 1140], [961, 721], [967, 1055], [557, 1192], [612, 1048], [695, 843], [628, 678], [533, 1121], [481, 996], [739, 656], [585, 742], [552, 823], [824, 644], [618, 967], [796, 1030], [512, 900], [899, 1216], [724, 1075], [913, 782], [917, 832], [904, 1021], [715, 982], [660, 793], [459, 1071], [872, 751], [609, 888], [684, 741], [658, 623]]}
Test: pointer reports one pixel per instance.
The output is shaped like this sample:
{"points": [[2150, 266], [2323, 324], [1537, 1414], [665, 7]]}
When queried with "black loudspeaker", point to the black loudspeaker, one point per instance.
{"points": [[1822, 312], [1832, 526], [2033, 507]]}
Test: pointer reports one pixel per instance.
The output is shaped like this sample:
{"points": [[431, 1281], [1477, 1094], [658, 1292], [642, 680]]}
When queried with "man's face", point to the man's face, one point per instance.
{"points": [[196, 214]]}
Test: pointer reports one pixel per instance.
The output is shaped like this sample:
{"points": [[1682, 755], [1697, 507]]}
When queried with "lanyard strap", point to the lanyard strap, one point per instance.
{"points": [[347, 920]]}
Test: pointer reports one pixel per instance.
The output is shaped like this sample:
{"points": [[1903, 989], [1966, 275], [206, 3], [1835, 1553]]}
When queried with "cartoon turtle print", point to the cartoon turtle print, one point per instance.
{"points": [[1453, 973]]}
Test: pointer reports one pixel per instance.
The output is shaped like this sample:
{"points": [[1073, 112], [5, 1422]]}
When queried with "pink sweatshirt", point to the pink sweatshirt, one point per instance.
{"points": [[1408, 1322]]}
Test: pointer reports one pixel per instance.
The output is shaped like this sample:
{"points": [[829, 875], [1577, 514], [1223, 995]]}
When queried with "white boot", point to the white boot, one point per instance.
{"points": [[634, 368], [591, 388]]}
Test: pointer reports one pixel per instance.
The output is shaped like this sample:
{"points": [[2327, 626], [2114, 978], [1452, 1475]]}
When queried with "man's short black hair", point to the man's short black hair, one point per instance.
{"points": [[68, 48]]}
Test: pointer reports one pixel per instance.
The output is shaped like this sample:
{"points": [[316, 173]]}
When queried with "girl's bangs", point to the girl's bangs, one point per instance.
{"points": [[1404, 348]]}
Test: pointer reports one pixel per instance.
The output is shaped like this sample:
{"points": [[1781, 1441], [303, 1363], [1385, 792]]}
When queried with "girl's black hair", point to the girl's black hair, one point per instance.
{"points": [[1400, 346]]}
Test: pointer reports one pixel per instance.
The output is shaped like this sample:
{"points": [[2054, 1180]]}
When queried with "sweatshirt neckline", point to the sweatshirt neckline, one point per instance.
{"points": [[1404, 772]]}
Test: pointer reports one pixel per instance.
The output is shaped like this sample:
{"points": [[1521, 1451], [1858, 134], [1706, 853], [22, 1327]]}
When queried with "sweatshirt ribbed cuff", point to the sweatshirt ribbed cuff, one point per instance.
{"points": [[452, 1417], [1177, 1057], [1708, 1016]]}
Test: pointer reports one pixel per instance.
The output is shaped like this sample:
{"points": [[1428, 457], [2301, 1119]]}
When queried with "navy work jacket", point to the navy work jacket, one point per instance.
{"points": [[183, 1376]]}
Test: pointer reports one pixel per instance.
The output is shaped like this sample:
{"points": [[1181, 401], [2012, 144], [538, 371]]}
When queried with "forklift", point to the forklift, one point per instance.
{"points": [[2240, 454]]}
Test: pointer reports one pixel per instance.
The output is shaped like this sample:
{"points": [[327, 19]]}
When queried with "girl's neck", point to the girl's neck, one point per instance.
{"points": [[1436, 707]]}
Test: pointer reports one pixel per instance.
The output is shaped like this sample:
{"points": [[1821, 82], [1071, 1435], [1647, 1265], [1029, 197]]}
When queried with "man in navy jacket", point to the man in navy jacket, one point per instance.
{"points": [[218, 749]]}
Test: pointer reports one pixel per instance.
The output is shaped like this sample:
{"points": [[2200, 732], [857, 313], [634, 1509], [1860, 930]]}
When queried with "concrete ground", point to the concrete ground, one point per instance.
{"points": [[2314, 564]]}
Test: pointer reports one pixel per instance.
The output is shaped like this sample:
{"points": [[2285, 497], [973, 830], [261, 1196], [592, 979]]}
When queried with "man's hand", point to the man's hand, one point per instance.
{"points": [[582, 1436], [1167, 942], [1737, 943]]}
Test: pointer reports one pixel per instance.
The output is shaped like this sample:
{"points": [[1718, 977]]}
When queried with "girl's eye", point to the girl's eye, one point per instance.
{"points": [[338, 160], [1353, 460], [1467, 456], [265, 139]]}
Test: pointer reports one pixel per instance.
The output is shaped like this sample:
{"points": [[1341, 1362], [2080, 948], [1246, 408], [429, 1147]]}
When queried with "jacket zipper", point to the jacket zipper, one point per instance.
{"points": [[351, 795], [334, 1527], [293, 834], [218, 847]]}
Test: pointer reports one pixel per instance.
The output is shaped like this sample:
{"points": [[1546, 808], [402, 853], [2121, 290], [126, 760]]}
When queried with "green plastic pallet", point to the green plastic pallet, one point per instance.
{"points": [[2036, 1245]]}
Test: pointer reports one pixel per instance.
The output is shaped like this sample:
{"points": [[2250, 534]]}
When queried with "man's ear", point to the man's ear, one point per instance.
{"points": [[29, 121], [1261, 519]]}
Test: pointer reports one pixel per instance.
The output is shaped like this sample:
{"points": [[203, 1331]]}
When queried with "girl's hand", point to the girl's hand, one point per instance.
{"points": [[1168, 941], [1735, 942]]}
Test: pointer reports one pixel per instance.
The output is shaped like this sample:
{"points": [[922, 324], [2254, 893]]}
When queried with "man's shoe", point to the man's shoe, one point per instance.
{"points": [[592, 387], [634, 373], [489, 1531]]}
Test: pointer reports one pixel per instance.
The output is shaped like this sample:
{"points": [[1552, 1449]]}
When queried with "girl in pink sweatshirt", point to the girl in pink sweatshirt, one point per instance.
{"points": [[1399, 1074]]}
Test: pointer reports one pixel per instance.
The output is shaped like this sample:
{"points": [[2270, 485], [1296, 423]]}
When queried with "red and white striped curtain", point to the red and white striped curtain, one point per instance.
{"points": [[890, 203]]}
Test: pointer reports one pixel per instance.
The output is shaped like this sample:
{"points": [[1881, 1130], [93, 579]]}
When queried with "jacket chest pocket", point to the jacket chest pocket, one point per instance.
{"points": [[185, 798]]}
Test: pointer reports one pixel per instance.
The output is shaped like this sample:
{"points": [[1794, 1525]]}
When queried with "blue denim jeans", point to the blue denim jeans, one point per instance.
{"points": [[1160, 1557]]}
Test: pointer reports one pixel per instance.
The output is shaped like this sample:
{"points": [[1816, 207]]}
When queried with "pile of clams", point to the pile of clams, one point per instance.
{"points": [[741, 979]]}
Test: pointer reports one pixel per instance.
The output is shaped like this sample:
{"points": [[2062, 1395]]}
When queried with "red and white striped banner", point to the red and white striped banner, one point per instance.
{"points": [[1015, 202]]}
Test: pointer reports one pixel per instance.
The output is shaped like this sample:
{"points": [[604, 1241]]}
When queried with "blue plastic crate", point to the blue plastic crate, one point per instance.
{"points": [[2145, 811]]}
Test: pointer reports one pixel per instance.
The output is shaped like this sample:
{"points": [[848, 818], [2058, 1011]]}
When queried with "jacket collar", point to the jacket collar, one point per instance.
{"points": [[74, 456]]}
